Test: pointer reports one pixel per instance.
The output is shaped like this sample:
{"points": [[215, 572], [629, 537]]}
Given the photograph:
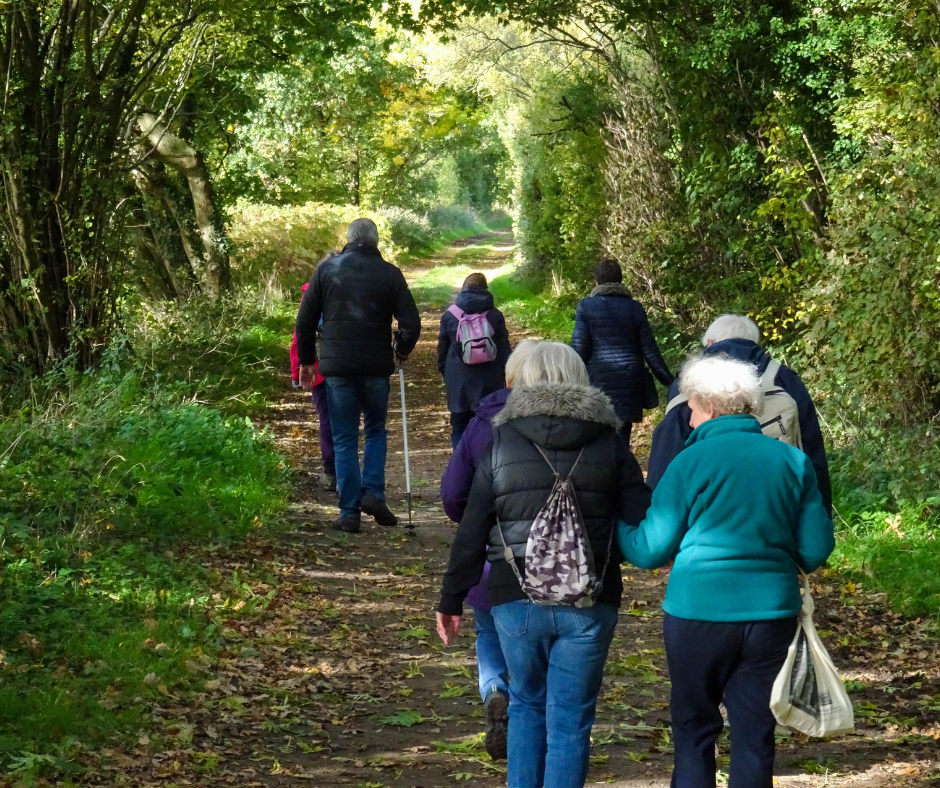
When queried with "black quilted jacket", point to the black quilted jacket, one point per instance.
{"points": [[356, 293], [613, 337], [513, 482]]}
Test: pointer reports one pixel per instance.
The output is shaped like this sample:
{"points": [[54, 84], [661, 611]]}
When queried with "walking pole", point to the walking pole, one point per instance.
{"points": [[404, 427]]}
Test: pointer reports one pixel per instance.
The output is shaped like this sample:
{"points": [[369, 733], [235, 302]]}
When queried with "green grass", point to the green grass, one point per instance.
{"points": [[436, 288], [531, 307], [446, 225], [119, 485], [892, 552], [885, 543]]}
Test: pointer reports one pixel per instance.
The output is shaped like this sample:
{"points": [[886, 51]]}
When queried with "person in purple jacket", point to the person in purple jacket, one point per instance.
{"points": [[455, 490]]}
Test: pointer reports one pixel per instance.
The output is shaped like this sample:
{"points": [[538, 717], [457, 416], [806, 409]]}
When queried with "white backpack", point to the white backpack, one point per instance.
{"points": [[780, 416]]}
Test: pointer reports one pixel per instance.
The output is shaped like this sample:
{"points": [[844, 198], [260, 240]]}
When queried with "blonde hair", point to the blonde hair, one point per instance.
{"points": [[727, 385], [731, 327], [533, 363]]}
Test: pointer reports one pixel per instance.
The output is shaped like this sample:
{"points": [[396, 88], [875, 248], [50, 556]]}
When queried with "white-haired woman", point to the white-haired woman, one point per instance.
{"points": [[740, 513], [552, 421]]}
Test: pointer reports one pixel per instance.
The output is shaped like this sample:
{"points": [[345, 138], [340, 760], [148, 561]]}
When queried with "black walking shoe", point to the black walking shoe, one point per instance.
{"points": [[496, 720], [327, 482], [345, 524], [373, 507]]}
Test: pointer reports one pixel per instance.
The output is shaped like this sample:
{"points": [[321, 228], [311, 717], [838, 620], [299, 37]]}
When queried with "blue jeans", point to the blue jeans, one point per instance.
{"points": [[350, 398], [556, 657], [491, 665]]}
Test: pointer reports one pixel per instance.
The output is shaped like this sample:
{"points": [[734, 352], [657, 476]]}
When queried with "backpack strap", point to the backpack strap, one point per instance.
{"points": [[676, 401], [770, 374], [554, 471], [456, 311]]}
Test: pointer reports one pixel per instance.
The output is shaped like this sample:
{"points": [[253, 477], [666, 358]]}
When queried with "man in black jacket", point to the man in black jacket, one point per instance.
{"points": [[738, 337], [356, 294]]}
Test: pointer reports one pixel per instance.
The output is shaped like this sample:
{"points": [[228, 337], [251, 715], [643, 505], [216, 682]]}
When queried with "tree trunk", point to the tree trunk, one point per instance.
{"points": [[154, 279], [172, 150], [355, 181], [173, 248]]}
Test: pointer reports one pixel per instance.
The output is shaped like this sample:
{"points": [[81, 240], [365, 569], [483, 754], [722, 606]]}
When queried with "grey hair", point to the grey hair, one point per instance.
{"points": [[362, 231], [514, 363], [729, 386], [731, 327], [532, 363]]}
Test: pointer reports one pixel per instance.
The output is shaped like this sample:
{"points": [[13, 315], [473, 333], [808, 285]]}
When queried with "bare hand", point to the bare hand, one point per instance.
{"points": [[447, 626], [308, 374]]}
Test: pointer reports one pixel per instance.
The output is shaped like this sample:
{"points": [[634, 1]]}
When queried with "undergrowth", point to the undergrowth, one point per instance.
{"points": [[115, 483], [888, 519]]}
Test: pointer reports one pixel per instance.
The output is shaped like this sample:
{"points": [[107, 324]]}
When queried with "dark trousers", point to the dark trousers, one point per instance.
{"points": [[734, 662], [327, 454], [625, 431], [458, 425]]}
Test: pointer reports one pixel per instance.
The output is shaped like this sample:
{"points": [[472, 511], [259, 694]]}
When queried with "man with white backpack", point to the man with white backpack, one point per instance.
{"points": [[788, 413], [472, 350]]}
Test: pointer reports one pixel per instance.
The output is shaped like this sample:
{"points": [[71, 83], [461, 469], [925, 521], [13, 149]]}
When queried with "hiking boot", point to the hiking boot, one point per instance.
{"points": [[345, 524], [328, 482], [496, 721], [373, 507]]}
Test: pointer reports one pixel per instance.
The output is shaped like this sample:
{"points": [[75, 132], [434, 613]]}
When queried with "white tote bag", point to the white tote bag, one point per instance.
{"points": [[808, 694]]}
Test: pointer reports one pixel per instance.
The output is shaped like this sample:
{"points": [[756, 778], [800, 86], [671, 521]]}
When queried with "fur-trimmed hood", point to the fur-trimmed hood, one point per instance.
{"points": [[565, 400], [611, 289]]}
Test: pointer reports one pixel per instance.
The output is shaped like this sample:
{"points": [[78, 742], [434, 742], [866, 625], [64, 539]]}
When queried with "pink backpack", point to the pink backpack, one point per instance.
{"points": [[475, 337]]}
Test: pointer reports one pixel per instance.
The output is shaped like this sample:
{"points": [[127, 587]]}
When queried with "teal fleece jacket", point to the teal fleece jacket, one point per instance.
{"points": [[739, 512]]}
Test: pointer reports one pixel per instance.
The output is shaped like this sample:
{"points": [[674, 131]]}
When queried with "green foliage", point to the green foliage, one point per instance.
{"points": [[561, 202], [875, 311], [283, 244], [362, 126], [524, 301], [409, 230], [273, 242]]}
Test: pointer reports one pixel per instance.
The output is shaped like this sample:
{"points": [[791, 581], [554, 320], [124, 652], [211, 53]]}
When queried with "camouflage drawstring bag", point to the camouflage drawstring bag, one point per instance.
{"points": [[559, 562]]}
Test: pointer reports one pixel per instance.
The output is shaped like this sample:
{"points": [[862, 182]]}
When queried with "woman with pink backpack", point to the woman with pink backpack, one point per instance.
{"points": [[472, 350]]}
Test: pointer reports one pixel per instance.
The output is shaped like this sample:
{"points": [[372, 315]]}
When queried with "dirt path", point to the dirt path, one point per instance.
{"points": [[333, 676]]}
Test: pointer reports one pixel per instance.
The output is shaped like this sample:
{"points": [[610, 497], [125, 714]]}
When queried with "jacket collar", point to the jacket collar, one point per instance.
{"points": [[362, 248], [611, 289], [724, 425], [491, 404], [742, 350], [474, 300], [584, 403]]}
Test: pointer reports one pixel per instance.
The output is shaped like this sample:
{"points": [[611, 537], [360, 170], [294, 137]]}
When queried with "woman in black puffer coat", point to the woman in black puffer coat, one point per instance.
{"points": [[555, 653], [613, 337]]}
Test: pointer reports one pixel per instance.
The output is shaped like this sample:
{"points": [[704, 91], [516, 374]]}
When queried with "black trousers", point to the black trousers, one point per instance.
{"points": [[734, 662], [625, 431]]}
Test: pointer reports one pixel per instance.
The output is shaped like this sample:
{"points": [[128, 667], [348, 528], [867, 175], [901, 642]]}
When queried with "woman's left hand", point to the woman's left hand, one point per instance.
{"points": [[447, 626]]}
